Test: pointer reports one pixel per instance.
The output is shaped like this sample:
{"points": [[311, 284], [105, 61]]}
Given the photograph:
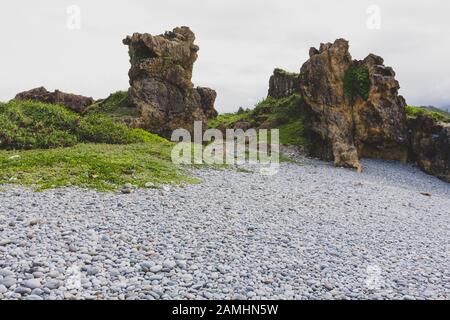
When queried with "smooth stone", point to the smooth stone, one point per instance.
{"points": [[3, 289], [4, 242], [52, 284], [169, 264], [156, 268], [32, 283], [8, 282], [22, 290], [37, 292], [33, 297], [6, 273]]}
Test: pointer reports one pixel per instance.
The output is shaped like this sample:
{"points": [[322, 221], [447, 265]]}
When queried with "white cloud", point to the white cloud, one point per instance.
{"points": [[240, 43]]}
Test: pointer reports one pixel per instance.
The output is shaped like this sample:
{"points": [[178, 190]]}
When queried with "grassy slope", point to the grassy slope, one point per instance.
{"points": [[435, 113], [115, 106], [284, 114], [47, 146]]}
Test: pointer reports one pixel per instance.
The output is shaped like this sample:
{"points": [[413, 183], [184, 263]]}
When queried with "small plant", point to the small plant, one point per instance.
{"points": [[357, 82]]}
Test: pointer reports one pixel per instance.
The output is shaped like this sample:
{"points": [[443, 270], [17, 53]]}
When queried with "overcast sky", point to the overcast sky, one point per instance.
{"points": [[241, 41]]}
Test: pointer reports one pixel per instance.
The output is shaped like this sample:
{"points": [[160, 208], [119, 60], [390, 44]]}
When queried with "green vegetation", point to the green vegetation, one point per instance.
{"points": [[435, 113], [285, 114], [30, 125], [357, 82], [227, 120], [50, 146], [100, 166], [292, 134], [286, 73], [115, 106]]}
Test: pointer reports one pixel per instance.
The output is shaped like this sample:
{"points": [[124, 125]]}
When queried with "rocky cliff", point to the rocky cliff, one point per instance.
{"points": [[74, 102], [429, 142], [282, 84], [352, 109], [160, 79]]}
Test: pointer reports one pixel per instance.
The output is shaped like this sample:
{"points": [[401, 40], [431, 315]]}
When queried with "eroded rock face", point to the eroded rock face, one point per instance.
{"points": [[380, 121], [74, 102], [430, 145], [282, 84], [344, 128], [160, 80], [329, 115]]}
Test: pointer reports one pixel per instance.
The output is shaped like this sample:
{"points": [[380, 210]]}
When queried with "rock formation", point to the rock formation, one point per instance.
{"points": [[347, 127], [328, 109], [348, 118], [74, 102], [160, 80], [429, 142], [380, 120], [282, 84]]}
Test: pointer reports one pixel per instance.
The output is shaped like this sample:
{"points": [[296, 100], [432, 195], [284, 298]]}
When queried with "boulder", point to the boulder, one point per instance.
{"points": [[429, 142], [74, 102], [160, 82], [282, 84]]}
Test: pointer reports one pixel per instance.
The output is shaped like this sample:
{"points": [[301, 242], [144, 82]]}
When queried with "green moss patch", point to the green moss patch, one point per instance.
{"points": [[357, 82]]}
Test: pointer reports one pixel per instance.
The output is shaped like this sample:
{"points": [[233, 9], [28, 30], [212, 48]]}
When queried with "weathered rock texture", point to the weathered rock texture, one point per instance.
{"points": [[430, 145], [380, 121], [160, 80], [329, 112], [345, 128], [74, 102], [282, 84]]}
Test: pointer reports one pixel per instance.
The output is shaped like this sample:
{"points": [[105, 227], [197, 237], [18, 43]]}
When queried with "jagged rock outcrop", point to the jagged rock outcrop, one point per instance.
{"points": [[380, 120], [343, 127], [328, 110], [282, 84], [160, 80], [429, 142], [74, 102], [352, 109]]}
